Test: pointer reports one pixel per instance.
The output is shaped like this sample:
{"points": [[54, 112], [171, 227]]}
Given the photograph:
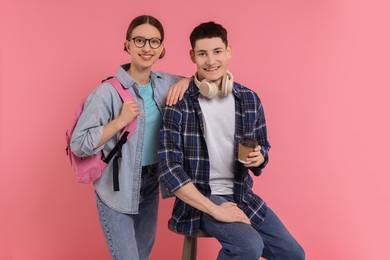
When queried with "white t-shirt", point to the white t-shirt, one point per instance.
{"points": [[219, 124]]}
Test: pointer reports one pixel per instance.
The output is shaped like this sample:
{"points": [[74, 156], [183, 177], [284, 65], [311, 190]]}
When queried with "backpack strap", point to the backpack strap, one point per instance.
{"points": [[128, 131], [125, 95]]}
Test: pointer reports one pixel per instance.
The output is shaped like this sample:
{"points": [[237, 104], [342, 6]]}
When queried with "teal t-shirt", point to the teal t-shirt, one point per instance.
{"points": [[153, 121]]}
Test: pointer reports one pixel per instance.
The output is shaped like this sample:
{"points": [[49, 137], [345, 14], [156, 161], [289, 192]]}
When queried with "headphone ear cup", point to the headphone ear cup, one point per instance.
{"points": [[227, 84], [223, 86], [207, 89]]}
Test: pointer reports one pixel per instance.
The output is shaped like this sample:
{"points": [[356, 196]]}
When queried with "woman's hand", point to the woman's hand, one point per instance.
{"points": [[176, 92], [129, 112]]}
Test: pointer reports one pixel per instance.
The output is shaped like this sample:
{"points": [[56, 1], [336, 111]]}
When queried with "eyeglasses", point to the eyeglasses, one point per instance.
{"points": [[140, 42]]}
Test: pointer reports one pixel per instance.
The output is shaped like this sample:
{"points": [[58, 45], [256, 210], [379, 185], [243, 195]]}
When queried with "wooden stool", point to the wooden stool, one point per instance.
{"points": [[190, 243]]}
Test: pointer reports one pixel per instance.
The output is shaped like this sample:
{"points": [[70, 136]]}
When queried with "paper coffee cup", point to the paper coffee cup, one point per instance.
{"points": [[246, 146]]}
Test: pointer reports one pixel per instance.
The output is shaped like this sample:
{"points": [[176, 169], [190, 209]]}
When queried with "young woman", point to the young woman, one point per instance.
{"points": [[128, 217]]}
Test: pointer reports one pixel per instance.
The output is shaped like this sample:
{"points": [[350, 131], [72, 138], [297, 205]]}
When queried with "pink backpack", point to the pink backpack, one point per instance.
{"points": [[89, 168]]}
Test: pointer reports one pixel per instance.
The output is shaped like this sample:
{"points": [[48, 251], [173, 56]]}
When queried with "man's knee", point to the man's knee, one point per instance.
{"points": [[300, 253], [254, 252], [297, 252], [249, 248]]}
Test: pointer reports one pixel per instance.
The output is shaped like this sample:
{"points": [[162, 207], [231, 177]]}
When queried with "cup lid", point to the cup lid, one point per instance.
{"points": [[248, 141]]}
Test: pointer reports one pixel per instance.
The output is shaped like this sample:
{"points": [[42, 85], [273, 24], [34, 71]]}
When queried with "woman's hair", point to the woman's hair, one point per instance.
{"points": [[145, 19], [208, 30]]}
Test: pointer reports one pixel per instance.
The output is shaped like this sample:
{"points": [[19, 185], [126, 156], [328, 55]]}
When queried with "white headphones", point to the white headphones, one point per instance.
{"points": [[210, 89]]}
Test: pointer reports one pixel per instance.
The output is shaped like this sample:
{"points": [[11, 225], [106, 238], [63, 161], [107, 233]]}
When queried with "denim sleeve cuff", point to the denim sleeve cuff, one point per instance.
{"points": [[92, 140]]}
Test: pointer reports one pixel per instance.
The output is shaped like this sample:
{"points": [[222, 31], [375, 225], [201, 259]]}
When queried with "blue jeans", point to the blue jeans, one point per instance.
{"points": [[242, 241], [132, 236]]}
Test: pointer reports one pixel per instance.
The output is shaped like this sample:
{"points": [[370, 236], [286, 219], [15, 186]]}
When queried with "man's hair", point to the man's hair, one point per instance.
{"points": [[208, 30]]}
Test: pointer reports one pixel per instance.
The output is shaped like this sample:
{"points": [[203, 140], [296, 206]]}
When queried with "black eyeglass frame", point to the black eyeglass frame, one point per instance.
{"points": [[146, 40]]}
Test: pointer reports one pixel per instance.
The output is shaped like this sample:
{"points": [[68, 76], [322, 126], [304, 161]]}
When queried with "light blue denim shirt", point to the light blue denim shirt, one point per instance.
{"points": [[103, 105]]}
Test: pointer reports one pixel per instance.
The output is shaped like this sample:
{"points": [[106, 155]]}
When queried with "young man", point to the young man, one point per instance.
{"points": [[198, 151]]}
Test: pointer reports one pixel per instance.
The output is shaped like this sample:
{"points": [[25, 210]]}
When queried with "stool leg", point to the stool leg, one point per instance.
{"points": [[189, 248], [194, 247]]}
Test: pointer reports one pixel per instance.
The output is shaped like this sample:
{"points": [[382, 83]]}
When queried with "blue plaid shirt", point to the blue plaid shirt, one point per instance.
{"points": [[184, 157]]}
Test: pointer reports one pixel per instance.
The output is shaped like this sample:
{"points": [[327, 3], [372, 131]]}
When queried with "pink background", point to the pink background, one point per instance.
{"points": [[321, 68]]}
